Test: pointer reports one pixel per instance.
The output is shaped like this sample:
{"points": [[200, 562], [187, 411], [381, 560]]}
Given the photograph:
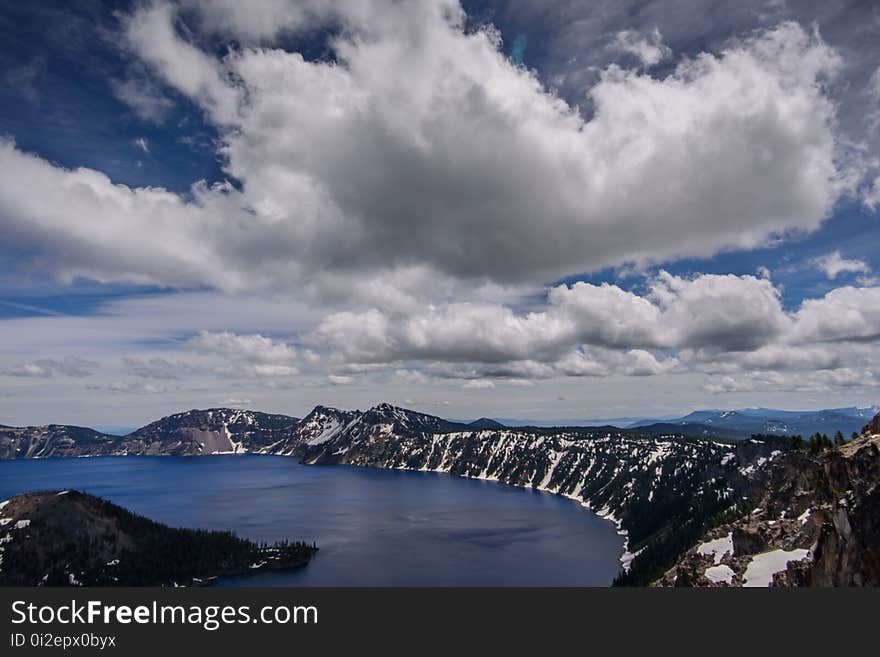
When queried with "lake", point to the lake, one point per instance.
{"points": [[373, 527]]}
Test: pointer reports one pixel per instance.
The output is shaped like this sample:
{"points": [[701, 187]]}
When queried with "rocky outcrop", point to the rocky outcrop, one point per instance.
{"points": [[873, 427], [816, 523]]}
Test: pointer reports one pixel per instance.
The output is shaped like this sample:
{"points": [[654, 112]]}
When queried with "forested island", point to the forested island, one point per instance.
{"points": [[69, 538]]}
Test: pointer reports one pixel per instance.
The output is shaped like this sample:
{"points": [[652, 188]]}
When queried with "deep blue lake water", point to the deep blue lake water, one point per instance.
{"points": [[373, 527]]}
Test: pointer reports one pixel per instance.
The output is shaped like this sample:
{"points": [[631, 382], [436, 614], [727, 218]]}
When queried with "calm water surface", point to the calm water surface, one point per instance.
{"points": [[374, 527]]}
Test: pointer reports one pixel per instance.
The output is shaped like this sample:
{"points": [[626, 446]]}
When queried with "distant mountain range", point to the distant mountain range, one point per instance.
{"points": [[227, 430], [732, 424], [746, 422]]}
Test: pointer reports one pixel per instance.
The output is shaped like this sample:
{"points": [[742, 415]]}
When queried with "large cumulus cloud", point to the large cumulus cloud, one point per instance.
{"points": [[718, 324], [459, 161]]}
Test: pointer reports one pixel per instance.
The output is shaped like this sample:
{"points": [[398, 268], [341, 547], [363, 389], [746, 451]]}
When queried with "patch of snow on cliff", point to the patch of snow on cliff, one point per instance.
{"points": [[327, 432], [764, 566], [720, 573], [717, 548]]}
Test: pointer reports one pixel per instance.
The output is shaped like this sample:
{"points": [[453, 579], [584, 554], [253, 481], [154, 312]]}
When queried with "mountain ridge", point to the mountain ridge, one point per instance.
{"points": [[749, 421]]}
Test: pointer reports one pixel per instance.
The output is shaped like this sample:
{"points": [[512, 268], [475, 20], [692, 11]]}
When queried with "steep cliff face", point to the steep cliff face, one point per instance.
{"points": [[652, 487], [816, 523]]}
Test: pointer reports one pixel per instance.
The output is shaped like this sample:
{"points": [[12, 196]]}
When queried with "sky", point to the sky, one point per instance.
{"points": [[518, 209]]}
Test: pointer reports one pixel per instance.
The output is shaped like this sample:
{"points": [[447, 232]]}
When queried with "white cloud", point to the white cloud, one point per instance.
{"points": [[720, 325], [647, 48], [247, 355], [845, 313], [71, 366], [464, 151], [145, 98], [834, 264], [152, 32], [871, 194], [253, 348], [29, 370], [233, 401], [133, 388], [727, 311], [478, 384], [814, 381], [156, 368]]}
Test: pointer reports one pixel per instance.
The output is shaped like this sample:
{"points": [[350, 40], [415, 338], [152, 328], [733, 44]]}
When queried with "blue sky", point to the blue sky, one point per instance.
{"points": [[552, 210]]}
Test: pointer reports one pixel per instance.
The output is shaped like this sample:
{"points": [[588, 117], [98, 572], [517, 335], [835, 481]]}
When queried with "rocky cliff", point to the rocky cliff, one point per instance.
{"points": [[816, 522]]}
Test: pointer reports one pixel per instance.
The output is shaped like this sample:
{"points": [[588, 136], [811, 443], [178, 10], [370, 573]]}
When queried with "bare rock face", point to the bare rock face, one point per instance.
{"points": [[816, 524], [873, 427], [749, 539]]}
